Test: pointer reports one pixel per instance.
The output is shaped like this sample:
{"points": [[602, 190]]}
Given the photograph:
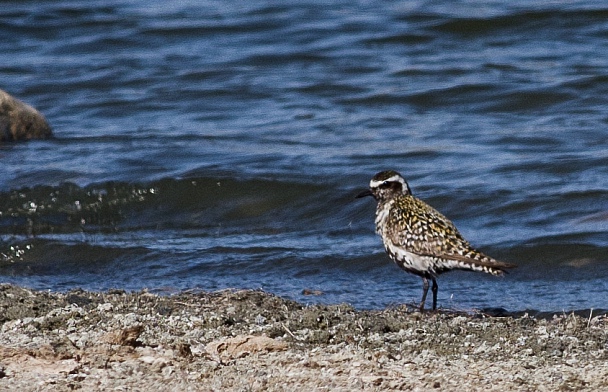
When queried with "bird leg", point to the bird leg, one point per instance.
{"points": [[425, 290], [434, 289]]}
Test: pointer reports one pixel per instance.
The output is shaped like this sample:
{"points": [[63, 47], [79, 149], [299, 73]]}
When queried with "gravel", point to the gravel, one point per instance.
{"points": [[254, 341]]}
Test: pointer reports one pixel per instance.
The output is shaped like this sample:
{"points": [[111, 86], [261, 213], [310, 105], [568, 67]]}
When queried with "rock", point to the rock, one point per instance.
{"points": [[19, 121], [125, 337], [183, 350], [241, 346]]}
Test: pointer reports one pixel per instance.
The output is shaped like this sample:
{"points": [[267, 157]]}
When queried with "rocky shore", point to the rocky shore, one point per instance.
{"points": [[253, 341]]}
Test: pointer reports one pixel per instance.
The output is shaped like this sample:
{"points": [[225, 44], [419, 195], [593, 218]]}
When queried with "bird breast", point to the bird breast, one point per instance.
{"points": [[382, 212]]}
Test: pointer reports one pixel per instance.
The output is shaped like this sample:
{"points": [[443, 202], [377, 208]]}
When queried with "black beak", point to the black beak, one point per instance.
{"points": [[366, 192]]}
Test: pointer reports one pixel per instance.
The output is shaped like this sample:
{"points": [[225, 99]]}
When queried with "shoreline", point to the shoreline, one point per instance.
{"points": [[251, 340]]}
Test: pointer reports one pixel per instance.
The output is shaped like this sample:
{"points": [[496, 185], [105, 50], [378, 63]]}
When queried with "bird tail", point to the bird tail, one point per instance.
{"points": [[478, 262], [485, 264]]}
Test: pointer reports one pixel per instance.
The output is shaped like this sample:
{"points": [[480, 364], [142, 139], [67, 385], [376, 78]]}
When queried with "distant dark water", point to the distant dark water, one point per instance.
{"points": [[205, 145]]}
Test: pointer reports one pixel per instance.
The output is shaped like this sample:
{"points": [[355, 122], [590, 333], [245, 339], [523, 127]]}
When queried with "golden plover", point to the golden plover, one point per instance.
{"points": [[418, 238]]}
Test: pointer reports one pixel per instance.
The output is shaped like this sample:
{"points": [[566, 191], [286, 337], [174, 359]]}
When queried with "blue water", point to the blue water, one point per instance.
{"points": [[206, 145]]}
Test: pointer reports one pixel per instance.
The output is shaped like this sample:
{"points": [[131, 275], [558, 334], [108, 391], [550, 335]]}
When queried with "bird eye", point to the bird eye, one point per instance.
{"points": [[385, 184]]}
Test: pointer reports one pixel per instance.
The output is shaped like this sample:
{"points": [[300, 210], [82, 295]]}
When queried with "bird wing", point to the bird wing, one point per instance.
{"points": [[426, 232]]}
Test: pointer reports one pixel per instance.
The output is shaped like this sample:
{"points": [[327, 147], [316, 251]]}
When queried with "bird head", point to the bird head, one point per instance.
{"points": [[386, 185]]}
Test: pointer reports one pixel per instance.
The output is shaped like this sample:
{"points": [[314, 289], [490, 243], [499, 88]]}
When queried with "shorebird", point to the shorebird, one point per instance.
{"points": [[418, 238]]}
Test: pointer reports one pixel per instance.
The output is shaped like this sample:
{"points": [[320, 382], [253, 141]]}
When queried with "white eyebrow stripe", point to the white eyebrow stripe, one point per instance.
{"points": [[395, 178]]}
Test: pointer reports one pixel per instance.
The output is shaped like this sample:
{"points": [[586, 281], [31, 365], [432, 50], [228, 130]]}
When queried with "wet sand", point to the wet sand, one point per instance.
{"points": [[253, 341]]}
